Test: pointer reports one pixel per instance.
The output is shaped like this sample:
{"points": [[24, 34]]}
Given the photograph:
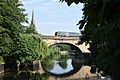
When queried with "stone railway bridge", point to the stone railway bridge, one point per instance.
{"points": [[51, 40]]}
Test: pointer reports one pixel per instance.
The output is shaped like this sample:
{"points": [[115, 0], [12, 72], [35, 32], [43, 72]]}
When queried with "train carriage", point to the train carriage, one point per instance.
{"points": [[67, 34]]}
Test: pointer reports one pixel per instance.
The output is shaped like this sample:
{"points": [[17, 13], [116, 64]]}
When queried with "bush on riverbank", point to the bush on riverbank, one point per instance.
{"points": [[30, 47]]}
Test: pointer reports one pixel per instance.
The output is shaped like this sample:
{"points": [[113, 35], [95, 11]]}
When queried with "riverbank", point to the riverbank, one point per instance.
{"points": [[83, 74]]}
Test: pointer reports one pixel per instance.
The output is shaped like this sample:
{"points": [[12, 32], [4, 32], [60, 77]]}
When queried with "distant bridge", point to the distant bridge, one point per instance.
{"points": [[51, 40]]}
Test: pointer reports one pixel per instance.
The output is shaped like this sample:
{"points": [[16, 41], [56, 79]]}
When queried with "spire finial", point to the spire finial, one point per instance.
{"points": [[33, 20]]}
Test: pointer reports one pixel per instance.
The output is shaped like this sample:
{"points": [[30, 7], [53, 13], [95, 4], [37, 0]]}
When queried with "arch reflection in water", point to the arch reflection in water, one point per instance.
{"points": [[63, 60], [63, 68], [60, 69]]}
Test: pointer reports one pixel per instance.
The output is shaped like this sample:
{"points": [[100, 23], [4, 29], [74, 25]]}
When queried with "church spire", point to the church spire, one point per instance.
{"points": [[33, 20], [32, 28]]}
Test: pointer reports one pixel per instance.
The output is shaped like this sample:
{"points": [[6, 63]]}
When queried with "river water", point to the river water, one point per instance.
{"points": [[53, 68]]}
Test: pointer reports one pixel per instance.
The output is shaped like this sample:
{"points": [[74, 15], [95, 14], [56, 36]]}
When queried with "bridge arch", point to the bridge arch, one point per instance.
{"points": [[50, 40]]}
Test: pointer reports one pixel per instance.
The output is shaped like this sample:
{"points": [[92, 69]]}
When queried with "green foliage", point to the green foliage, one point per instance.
{"points": [[27, 75], [14, 43], [11, 18], [63, 47], [30, 47], [63, 62], [69, 2], [31, 29], [101, 23], [53, 53], [38, 76], [5, 42], [54, 50], [48, 64], [1, 60]]}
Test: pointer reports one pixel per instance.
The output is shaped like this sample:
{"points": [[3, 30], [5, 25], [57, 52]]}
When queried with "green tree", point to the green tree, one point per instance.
{"points": [[11, 18], [48, 64], [5, 42], [101, 23], [30, 47], [31, 29], [54, 53]]}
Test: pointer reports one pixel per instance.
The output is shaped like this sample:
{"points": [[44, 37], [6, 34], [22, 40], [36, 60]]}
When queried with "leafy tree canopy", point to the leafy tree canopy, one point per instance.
{"points": [[31, 29], [101, 23], [30, 47], [12, 15], [11, 18], [5, 42]]}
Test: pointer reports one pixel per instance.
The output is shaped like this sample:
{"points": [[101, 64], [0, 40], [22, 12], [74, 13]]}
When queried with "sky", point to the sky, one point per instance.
{"points": [[52, 15]]}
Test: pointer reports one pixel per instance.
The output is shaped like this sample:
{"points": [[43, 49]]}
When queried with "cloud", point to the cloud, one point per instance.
{"points": [[30, 1], [35, 1], [54, 0]]}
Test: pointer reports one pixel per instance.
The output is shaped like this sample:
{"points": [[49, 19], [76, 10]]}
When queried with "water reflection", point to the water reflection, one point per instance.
{"points": [[65, 66], [27, 75], [62, 67], [64, 60]]}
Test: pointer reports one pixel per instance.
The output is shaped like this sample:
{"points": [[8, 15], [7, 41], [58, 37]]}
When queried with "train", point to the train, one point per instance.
{"points": [[67, 34]]}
